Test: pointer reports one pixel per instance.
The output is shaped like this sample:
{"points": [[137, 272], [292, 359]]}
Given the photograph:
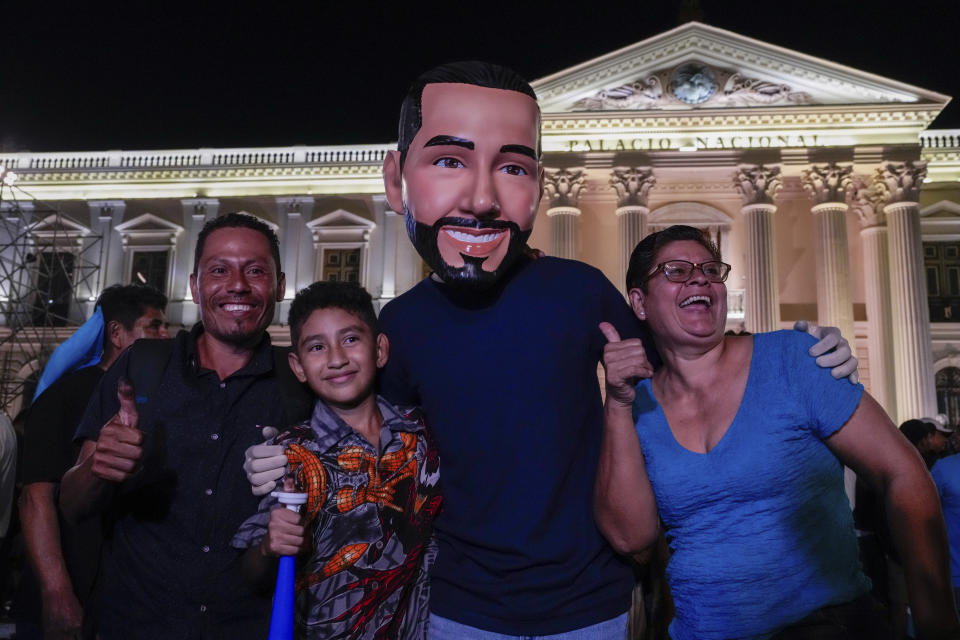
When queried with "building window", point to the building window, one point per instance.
{"points": [[941, 261], [54, 288], [150, 267], [341, 265], [948, 393]]}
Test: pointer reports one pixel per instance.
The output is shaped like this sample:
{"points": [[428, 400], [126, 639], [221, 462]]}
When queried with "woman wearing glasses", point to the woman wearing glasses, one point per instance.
{"points": [[738, 443]]}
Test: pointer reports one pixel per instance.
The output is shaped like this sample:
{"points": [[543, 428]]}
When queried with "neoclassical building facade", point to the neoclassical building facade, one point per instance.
{"points": [[823, 186]]}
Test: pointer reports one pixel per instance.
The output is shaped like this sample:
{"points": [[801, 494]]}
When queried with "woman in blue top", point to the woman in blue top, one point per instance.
{"points": [[740, 442]]}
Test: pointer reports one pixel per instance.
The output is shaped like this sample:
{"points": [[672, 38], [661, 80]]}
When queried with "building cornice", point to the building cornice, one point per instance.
{"points": [[185, 173]]}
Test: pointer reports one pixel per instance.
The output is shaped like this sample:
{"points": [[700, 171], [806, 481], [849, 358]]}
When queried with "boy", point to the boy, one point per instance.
{"points": [[372, 478]]}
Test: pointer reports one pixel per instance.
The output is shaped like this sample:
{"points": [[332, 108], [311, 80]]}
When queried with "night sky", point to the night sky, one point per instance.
{"points": [[166, 75]]}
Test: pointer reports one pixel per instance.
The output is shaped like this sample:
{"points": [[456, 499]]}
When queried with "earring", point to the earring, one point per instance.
{"points": [[643, 315]]}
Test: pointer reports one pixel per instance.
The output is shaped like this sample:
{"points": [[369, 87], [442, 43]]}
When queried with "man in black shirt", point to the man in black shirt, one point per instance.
{"points": [[65, 559], [167, 458]]}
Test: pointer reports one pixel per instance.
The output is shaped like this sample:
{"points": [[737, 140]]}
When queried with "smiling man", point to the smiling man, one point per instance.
{"points": [[163, 460]]}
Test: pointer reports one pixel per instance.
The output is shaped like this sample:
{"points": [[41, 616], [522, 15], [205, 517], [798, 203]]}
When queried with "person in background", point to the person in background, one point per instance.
{"points": [[928, 440], [8, 467], [64, 560]]}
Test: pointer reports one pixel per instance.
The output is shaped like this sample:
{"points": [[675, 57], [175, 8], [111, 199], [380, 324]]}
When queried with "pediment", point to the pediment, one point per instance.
{"points": [[341, 227], [148, 223], [944, 209], [58, 224], [340, 219], [696, 66]]}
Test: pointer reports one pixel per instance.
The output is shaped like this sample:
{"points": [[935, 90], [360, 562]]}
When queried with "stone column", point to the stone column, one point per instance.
{"points": [[563, 188], [867, 201], [758, 186], [916, 390], [632, 185], [827, 185], [196, 212], [293, 213]]}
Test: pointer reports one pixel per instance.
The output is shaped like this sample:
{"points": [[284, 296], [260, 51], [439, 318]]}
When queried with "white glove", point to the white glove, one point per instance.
{"points": [[832, 351], [265, 464]]}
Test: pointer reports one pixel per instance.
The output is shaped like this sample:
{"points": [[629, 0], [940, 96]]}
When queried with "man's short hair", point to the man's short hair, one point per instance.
{"points": [[644, 254], [347, 296], [235, 220], [125, 303], [479, 74], [917, 431]]}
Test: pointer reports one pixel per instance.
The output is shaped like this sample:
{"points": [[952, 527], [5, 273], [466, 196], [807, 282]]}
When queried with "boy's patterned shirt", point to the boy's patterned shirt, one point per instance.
{"points": [[371, 522]]}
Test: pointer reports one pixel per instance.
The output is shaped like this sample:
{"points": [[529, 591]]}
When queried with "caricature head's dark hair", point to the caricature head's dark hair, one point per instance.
{"points": [[125, 303], [347, 296], [645, 253], [237, 220], [480, 74]]}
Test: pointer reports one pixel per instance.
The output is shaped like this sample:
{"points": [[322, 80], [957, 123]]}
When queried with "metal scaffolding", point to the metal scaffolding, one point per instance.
{"points": [[49, 277]]}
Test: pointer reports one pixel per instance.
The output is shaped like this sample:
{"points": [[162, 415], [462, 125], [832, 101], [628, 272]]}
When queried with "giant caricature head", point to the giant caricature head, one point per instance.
{"points": [[467, 173]]}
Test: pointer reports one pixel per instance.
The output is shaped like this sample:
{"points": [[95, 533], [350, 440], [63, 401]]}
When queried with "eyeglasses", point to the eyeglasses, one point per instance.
{"points": [[682, 270]]}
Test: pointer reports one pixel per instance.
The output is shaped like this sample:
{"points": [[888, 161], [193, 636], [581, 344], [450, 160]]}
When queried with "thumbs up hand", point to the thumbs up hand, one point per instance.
{"points": [[625, 362], [119, 449]]}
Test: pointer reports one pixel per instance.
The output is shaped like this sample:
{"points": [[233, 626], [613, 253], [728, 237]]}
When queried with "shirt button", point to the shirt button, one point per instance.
{"points": [[375, 585], [214, 436], [205, 549], [379, 544], [380, 503], [203, 608], [223, 385], [208, 492]]}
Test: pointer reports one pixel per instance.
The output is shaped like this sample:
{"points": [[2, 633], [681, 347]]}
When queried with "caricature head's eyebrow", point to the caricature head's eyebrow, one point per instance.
{"points": [[440, 141], [522, 149]]}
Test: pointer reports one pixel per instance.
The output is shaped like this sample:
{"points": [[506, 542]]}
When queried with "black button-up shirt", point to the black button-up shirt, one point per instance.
{"points": [[173, 573]]}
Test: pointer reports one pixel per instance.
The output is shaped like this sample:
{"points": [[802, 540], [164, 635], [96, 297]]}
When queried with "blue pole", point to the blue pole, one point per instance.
{"points": [[281, 618]]}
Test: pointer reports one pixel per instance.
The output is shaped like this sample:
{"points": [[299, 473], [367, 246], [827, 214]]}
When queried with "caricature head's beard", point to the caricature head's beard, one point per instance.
{"points": [[471, 274]]}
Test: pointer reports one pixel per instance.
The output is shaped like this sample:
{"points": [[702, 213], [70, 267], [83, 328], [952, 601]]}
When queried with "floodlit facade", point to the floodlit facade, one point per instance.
{"points": [[823, 186]]}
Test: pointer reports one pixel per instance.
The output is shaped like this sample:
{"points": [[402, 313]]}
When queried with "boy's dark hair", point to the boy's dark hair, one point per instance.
{"points": [[125, 303], [480, 74], [644, 254], [348, 296], [234, 220]]}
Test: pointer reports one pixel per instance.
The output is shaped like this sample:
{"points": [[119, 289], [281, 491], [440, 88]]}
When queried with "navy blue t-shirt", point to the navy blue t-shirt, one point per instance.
{"points": [[508, 383]]}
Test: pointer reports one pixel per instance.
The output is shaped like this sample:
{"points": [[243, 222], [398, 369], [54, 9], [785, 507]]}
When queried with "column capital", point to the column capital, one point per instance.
{"points": [[901, 180], [632, 185], [293, 204], [106, 207], [563, 186], [758, 184], [867, 198], [827, 182]]}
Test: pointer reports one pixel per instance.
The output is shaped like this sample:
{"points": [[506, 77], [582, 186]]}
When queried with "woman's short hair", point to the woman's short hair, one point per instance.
{"points": [[642, 260]]}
